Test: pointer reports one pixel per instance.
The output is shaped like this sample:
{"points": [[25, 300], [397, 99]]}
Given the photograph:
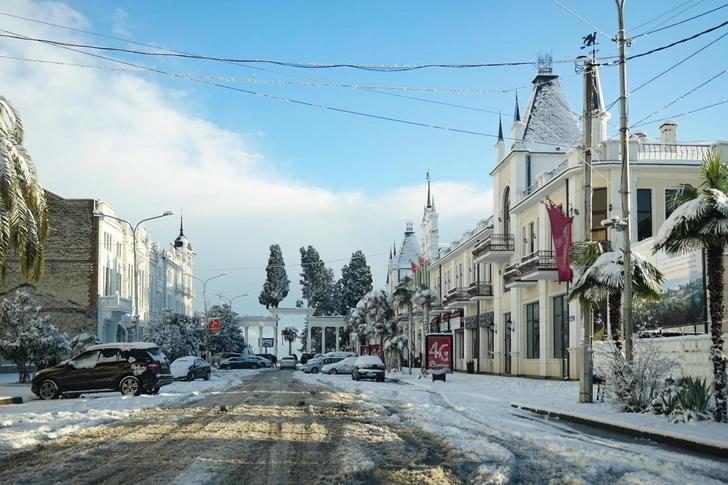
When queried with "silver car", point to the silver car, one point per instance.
{"points": [[342, 367]]}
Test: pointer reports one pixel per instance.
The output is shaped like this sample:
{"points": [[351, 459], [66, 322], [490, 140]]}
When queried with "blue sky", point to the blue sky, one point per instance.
{"points": [[249, 171]]}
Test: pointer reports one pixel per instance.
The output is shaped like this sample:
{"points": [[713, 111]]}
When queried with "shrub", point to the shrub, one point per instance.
{"points": [[684, 400]]}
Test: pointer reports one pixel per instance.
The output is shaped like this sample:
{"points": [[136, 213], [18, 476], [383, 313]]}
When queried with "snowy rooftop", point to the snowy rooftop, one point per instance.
{"points": [[548, 117]]}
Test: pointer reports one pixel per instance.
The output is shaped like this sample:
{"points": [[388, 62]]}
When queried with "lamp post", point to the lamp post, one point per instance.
{"points": [[204, 301], [135, 307], [230, 298]]}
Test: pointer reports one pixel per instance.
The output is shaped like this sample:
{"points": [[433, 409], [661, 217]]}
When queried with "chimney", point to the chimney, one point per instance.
{"points": [[668, 133]]}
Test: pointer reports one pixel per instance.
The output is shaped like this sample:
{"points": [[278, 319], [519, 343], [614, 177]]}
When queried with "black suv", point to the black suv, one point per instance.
{"points": [[129, 368]]}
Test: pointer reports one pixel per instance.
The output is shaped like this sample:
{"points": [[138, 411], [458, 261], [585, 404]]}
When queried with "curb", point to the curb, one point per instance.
{"points": [[11, 400], [683, 443]]}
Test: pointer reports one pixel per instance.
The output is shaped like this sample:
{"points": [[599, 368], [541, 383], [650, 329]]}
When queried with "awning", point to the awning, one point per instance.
{"points": [[435, 321], [457, 313]]}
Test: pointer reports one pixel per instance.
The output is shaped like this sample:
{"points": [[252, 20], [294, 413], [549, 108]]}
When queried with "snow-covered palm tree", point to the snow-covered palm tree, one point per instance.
{"points": [[290, 334], [403, 297], [378, 310], [23, 207], [700, 220], [601, 275]]}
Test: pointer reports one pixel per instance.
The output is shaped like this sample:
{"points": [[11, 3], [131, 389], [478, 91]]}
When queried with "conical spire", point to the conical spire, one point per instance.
{"points": [[428, 190], [181, 242], [390, 252], [395, 248], [181, 230], [500, 127], [517, 113]]}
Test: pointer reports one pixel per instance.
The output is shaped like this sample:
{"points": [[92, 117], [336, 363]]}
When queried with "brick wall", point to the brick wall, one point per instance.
{"points": [[68, 290]]}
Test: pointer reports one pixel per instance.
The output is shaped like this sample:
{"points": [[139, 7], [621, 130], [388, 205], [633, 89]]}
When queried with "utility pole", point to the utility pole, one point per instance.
{"points": [[623, 132], [586, 386]]}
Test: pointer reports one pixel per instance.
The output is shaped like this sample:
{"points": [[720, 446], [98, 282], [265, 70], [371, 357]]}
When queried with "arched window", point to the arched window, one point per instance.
{"points": [[507, 210]]}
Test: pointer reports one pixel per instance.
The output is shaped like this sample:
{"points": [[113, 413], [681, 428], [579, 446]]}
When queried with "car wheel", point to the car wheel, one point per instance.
{"points": [[72, 395], [255, 366], [129, 386], [334, 372], [207, 376], [314, 370], [48, 390], [228, 367], [191, 376], [356, 377]]}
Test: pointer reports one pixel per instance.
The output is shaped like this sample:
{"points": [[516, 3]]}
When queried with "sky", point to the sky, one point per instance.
{"points": [[480, 417], [295, 152]]}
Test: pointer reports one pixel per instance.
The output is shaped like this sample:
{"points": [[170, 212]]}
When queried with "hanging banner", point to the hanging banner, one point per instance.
{"points": [[561, 234], [439, 351]]}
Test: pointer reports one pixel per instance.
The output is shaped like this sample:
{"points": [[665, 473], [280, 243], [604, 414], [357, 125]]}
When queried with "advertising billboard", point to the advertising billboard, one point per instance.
{"points": [[439, 351], [267, 342]]}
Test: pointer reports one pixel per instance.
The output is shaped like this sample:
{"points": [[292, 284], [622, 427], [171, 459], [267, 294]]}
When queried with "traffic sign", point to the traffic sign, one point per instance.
{"points": [[213, 325]]}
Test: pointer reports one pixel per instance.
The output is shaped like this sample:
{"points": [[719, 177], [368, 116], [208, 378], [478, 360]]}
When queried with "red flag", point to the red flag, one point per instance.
{"points": [[561, 234], [414, 266], [421, 261]]}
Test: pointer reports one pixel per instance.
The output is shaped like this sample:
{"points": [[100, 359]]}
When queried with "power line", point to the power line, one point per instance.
{"points": [[301, 65], [586, 22], [678, 23], [678, 42], [680, 98], [662, 15], [687, 112]]}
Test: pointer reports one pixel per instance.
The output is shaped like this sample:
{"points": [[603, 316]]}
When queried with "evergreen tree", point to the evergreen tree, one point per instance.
{"points": [[277, 284], [229, 338], [176, 334], [26, 337], [356, 281], [317, 283]]}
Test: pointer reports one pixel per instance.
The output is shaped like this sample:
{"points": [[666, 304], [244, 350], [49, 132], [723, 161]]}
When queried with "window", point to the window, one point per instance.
{"points": [[507, 210], [533, 340], [532, 237], [669, 195], [475, 347], [561, 326], [108, 281], [599, 213], [644, 214], [490, 334]]}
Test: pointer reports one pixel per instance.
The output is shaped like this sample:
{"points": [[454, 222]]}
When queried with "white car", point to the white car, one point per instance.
{"points": [[342, 367], [288, 362], [190, 368], [368, 367]]}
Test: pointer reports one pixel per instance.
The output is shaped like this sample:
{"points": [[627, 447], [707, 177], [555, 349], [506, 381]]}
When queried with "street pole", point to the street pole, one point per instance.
{"points": [[135, 303], [625, 187], [231, 298], [204, 305], [586, 387]]}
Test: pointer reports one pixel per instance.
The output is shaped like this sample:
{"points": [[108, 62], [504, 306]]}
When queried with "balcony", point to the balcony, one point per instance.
{"points": [[513, 278], [456, 297], [494, 248], [437, 307], [480, 291], [539, 265], [115, 303], [660, 151]]}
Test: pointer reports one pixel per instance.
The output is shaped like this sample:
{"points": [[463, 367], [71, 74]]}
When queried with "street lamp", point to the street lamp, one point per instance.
{"points": [[231, 298], [204, 301], [135, 307]]}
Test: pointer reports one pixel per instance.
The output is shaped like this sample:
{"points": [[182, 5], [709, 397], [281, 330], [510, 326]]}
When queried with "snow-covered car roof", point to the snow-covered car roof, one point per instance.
{"points": [[124, 346], [369, 359]]}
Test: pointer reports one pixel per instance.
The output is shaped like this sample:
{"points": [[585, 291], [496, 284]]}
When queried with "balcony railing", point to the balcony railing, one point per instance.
{"points": [[659, 151], [480, 289], [538, 261], [437, 304], [494, 242], [511, 273], [456, 294]]}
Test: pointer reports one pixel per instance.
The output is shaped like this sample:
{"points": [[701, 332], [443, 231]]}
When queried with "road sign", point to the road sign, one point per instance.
{"points": [[213, 325]]}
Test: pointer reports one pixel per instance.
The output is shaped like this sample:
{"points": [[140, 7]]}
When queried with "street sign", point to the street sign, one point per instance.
{"points": [[213, 325]]}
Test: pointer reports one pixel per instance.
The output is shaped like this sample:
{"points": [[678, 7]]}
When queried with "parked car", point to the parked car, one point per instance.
{"points": [[190, 368], [342, 367], [314, 366], [270, 357], [288, 362], [227, 355], [243, 362], [341, 354], [129, 368], [264, 363], [306, 356], [368, 367]]}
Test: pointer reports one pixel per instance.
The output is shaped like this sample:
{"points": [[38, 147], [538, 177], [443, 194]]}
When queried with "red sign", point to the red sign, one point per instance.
{"points": [[213, 325], [364, 350], [439, 351]]}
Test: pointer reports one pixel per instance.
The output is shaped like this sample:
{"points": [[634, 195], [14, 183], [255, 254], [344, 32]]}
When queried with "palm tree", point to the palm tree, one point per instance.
{"points": [[290, 334], [23, 208], [700, 220], [403, 298], [379, 313], [601, 275]]}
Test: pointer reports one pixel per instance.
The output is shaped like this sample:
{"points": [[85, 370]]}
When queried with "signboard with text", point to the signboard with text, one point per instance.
{"points": [[439, 351], [213, 325], [267, 342]]}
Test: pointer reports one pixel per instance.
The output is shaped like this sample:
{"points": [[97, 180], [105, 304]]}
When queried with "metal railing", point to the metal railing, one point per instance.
{"points": [[659, 151], [511, 273], [457, 294], [495, 242], [480, 289], [543, 259]]}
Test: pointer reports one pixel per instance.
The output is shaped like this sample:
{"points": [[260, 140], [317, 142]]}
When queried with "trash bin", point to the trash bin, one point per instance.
{"points": [[470, 367], [439, 377]]}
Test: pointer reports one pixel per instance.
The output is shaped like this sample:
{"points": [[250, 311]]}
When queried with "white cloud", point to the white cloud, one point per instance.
{"points": [[125, 139]]}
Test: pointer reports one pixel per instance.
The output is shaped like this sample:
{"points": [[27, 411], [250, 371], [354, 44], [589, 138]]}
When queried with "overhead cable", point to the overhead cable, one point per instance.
{"points": [[678, 23], [678, 42]]}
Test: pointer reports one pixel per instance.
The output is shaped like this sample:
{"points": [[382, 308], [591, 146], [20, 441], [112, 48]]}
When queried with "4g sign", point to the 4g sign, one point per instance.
{"points": [[439, 351]]}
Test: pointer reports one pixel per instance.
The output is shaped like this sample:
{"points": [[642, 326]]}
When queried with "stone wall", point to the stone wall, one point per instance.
{"points": [[68, 290]]}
